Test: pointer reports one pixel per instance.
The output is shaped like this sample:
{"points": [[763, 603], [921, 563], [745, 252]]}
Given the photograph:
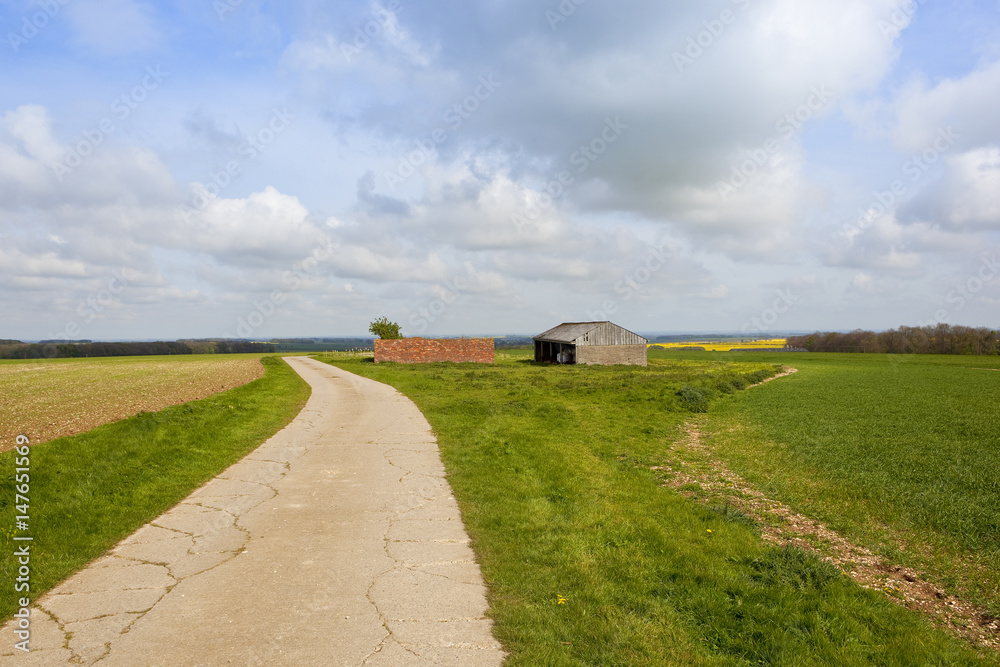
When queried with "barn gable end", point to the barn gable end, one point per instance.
{"points": [[603, 343]]}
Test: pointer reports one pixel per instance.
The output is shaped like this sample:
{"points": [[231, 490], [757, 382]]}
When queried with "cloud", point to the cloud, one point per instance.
{"points": [[967, 103], [114, 27], [323, 53], [862, 282], [26, 148], [376, 204], [376, 43], [41, 176], [31, 269], [681, 130], [260, 229], [40, 173], [966, 197], [206, 129], [734, 145]]}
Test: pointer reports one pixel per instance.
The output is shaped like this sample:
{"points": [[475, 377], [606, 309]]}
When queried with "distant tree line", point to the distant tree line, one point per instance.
{"points": [[939, 339], [505, 342], [75, 350], [243, 347], [321, 344]]}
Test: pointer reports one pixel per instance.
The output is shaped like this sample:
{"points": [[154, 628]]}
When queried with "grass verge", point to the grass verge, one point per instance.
{"points": [[90, 491], [590, 561]]}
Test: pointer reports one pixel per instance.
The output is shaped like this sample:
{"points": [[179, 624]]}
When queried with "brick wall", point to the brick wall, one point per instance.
{"points": [[611, 355], [429, 350]]}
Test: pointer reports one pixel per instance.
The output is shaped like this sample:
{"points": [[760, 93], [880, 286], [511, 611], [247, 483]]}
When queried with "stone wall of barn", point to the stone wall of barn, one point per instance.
{"points": [[430, 350], [611, 355]]}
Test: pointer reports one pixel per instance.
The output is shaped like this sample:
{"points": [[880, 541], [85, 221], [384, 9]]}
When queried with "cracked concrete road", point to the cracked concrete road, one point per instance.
{"points": [[337, 542]]}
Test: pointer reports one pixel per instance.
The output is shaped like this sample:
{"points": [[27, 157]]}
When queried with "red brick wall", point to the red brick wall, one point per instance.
{"points": [[429, 350]]}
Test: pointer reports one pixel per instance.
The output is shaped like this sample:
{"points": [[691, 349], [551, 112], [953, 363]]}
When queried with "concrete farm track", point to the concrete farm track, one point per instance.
{"points": [[337, 542]]}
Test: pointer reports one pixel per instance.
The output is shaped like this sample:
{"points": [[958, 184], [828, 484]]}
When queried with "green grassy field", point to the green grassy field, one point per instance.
{"points": [[900, 454], [89, 491], [590, 560]]}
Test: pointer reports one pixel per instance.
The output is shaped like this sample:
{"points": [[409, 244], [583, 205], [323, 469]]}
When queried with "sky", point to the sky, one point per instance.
{"points": [[238, 168]]}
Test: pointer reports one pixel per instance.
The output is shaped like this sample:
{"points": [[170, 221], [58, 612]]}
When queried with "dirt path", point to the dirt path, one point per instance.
{"points": [[780, 525], [337, 542]]}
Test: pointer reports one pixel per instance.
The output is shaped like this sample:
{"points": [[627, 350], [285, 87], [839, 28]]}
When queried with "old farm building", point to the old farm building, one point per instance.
{"points": [[591, 343]]}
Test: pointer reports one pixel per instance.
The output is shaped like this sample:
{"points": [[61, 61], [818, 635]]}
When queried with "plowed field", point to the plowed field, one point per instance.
{"points": [[54, 398]]}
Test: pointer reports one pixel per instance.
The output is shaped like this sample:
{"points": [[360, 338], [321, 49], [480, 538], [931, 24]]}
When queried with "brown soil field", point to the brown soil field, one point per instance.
{"points": [[49, 399]]}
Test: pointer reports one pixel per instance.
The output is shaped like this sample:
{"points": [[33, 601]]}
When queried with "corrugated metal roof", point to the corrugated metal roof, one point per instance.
{"points": [[591, 333], [569, 332]]}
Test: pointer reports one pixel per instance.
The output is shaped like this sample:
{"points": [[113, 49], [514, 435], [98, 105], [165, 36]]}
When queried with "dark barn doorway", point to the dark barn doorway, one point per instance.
{"points": [[555, 353]]}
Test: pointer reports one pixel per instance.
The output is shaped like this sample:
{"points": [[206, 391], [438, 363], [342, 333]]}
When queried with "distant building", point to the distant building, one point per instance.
{"points": [[591, 343]]}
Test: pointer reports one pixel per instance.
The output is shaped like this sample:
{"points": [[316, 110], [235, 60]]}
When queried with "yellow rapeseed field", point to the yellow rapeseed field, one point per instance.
{"points": [[719, 346]]}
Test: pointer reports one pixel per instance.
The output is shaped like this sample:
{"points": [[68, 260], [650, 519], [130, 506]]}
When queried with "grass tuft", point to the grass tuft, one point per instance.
{"points": [[790, 567], [698, 400]]}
